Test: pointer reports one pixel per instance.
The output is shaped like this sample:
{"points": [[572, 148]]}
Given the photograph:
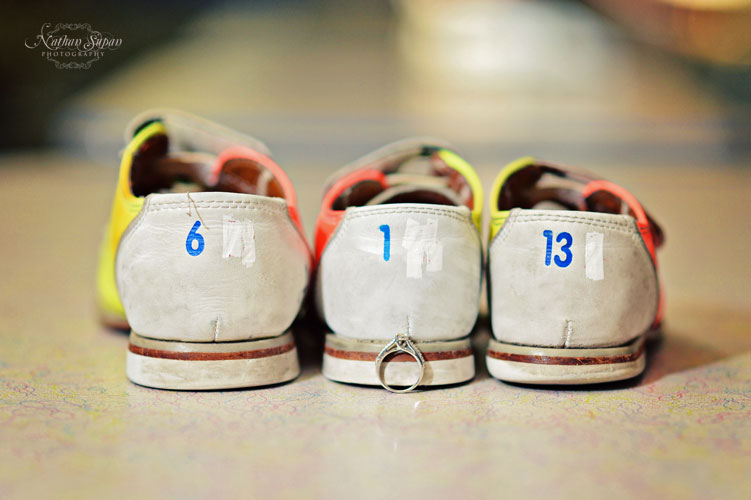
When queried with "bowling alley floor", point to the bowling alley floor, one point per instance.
{"points": [[73, 426]]}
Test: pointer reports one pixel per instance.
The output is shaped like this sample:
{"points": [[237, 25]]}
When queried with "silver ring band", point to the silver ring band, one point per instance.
{"points": [[400, 343]]}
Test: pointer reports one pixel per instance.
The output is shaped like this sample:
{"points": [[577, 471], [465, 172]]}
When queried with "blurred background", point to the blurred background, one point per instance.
{"points": [[646, 81]]}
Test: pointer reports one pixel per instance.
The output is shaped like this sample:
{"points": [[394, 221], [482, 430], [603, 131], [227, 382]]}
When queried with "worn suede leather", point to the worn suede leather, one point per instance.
{"points": [[361, 295], [190, 132], [169, 294], [550, 306]]}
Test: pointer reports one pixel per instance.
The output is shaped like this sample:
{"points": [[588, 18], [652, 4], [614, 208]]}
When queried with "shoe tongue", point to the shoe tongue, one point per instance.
{"points": [[191, 170], [156, 169], [416, 193], [553, 192]]}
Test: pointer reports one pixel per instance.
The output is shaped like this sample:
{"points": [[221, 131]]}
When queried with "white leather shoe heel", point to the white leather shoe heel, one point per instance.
{"points": [[544, 365], [355, 361], [204, 258], [572, 277], [211, 365], [400, 268]]}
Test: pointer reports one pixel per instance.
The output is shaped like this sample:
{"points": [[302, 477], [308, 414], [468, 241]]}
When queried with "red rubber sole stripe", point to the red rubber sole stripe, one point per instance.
{"points": [[567, 360], [401, 357], [211, 356]]}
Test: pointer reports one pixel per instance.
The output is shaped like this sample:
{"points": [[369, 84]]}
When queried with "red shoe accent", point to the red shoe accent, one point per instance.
{"points": [[328, 218], [245, 153], [646, 229], [641, 218]]}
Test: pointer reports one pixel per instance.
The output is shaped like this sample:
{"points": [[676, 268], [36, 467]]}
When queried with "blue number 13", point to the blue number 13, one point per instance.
{"points": [[565, 248]]}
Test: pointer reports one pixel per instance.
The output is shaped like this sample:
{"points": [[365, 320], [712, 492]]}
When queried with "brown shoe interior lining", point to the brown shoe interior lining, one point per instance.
{"points": [[419, 171], [544, 182], [157, 170]]}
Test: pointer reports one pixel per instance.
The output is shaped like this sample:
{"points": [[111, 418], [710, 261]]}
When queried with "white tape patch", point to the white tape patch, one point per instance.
{"points": [[238, 240], [593, 260], [422, 246]]}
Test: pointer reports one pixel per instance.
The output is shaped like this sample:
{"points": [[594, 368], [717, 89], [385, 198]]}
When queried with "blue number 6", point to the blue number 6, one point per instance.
{"points": [[193, 235]]}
